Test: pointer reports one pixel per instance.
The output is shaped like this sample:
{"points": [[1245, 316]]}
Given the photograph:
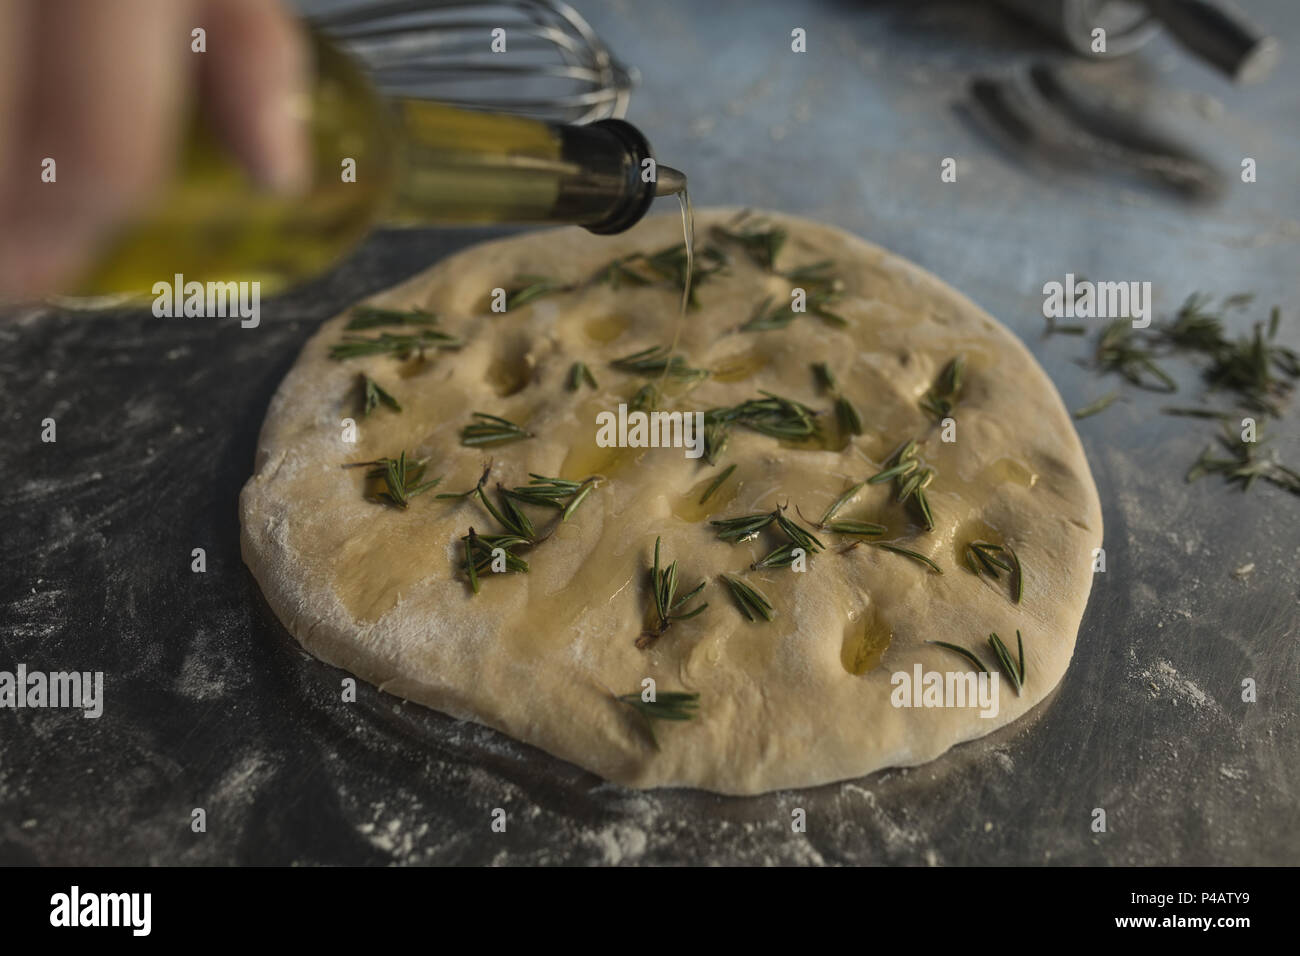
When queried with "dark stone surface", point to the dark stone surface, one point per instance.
{"points": [[211, 704]]}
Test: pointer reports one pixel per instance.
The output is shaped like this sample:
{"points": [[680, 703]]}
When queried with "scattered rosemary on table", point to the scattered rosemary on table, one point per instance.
{"points": [[663, 584], [845, 414], [372, 394], [1247, 464], [491, 430], [668, 705], [943, 394], [910, 478], [579, 374], [749, 600], [1117, 351], [402, 478], [1100, 405]]}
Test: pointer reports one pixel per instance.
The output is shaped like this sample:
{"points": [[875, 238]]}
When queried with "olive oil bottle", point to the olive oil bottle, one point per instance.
{"points": [[416, 162]]}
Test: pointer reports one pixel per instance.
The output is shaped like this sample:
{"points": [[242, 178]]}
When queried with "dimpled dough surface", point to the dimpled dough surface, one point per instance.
{"points": [[377, 591]]}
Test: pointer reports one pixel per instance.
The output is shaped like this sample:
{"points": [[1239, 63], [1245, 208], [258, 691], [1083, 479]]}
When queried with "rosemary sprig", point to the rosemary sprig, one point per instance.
{"points": [[370, 317], [578, 374], [914, 555], [1005, 662], [1246, 465], [749, 600], [834, 508], [663, 583], [659, 360], [526, 288], [717, 483], [845, 414], [1100, 405], [669, 705], [822, 289], [646, 399], [386, 343], [771, 415], [491, 430], [958, 649], [668, 264], [983, 558], [766, 319], [518, 530], [743, 528], [402, 477], [910, 479], [372, 393], [747, 527], [761, 244], [1017, 576], [465, 494], [943, 394], [561, 494]]}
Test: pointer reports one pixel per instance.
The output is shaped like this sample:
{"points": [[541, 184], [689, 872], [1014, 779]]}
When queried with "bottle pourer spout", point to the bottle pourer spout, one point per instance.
{"points": [[669, 181]]}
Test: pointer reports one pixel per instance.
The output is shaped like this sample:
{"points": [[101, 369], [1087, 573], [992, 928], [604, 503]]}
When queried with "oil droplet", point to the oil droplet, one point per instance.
{"points": [[865, 643], [688, 507], [587, 458], [737, 368], [509, 376], [605, 328], [1009, 469], [974, 529]]}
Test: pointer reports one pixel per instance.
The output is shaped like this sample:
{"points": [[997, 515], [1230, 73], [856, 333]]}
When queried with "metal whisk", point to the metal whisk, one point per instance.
{"points": [[554, 66]]}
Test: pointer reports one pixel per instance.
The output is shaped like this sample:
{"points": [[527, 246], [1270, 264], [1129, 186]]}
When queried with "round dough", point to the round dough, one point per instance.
{"points": [[541, 656]]}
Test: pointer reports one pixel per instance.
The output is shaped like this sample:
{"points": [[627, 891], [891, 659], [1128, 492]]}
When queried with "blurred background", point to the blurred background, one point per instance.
{"points": [[211, 703]]}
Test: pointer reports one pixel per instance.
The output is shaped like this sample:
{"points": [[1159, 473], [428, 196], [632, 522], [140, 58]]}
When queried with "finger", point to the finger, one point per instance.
{"points": [[255, 83], [102, 98]]}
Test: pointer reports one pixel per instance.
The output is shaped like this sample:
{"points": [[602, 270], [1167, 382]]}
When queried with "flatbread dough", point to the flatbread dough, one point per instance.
{"points": [[541, 656]]}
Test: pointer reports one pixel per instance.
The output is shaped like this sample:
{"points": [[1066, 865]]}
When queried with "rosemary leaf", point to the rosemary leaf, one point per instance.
{"points": [[491, 430], [749, 600], [956, 649], [578, 374], [659, 360], [370, 317], [717, 483], [914, 555], [372, 394], [1005, 662], [386, 343], [1100, 405], [669, 705]]}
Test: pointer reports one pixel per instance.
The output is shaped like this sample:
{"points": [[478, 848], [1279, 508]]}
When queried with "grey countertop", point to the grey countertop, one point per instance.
{"points": [[211, 704]]}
